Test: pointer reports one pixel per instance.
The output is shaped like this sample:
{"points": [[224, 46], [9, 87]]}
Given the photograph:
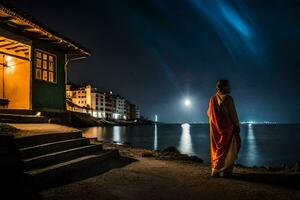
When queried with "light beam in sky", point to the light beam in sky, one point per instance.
{"points": [[238, 34], [235, 20]]}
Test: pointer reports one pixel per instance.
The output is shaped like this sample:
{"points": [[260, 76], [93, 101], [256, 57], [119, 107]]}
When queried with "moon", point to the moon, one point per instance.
{"points": [[187, 102]]}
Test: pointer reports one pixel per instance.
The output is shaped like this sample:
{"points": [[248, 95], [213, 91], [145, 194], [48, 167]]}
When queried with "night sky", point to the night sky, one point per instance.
{"points": [[156, 52]]}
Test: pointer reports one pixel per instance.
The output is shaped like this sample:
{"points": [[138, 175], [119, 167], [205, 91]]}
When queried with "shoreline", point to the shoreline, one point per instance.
{"points": [[19, 130], [171, 153], [149, 176], [140, 173], [84, 120]]}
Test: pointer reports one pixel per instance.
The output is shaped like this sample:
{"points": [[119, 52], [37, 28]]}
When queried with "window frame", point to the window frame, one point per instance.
{"points": [[41, 67]]}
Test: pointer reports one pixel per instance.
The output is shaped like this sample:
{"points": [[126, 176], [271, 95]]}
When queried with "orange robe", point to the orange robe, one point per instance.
{"points": [[225, 140]]}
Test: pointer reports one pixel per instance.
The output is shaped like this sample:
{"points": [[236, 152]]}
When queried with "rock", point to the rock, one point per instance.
{"points": [[297, 166], [239, 165], [275, 168], [126, 144], [195, 159], [147, 154], [170, 150], [56, 120], [5, 129]]}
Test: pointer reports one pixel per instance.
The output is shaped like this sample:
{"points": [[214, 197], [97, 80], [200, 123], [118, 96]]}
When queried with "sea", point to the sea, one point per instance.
{"points": [[262, 144]]}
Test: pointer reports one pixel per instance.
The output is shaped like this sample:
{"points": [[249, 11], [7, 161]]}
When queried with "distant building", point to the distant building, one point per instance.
{"points": [[100, 104], [86, 99], [137, 113], [132, 111], [119, 108], [109, 104], [127, 110]]}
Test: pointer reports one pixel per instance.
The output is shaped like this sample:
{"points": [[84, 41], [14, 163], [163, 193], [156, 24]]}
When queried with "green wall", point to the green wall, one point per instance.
{"points": [[49, 96]]}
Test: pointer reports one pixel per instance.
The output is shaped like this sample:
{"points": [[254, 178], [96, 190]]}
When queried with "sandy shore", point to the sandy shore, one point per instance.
{"points": [[153, 175]]}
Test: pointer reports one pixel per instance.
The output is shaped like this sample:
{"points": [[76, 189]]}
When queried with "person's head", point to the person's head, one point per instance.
{"points": [[223, 86]]}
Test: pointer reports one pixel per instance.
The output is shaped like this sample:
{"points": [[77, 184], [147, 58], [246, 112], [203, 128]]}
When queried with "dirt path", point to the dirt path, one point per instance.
{"points": [[149, 178]]}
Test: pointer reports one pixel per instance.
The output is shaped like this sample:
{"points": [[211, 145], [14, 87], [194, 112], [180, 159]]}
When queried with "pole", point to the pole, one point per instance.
{"points": [[3, 76], [67, 61]]}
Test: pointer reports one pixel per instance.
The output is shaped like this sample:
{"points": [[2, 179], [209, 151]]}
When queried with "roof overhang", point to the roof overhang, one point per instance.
{"points": [[22, 22]]}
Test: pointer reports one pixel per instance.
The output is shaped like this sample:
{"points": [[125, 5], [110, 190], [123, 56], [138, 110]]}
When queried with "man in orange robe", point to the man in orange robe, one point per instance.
{"points": [[225, 139]]}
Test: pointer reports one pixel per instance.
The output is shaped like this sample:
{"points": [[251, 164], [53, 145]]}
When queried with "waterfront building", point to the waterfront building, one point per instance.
{"points": [[86, 99], [137, 113], [132, 111], [100, 104], [119, 107], [109, 104]]}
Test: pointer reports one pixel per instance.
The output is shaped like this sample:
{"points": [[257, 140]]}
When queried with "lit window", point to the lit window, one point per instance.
{"points": [[38, 73], [45, 75], [38, 54], [45, 67]]}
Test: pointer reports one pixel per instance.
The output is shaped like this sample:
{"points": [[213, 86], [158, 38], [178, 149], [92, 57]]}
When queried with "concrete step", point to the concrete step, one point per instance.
{"points": [[17, 111], [70, 171], [23, 142], [38, 150], [60, 156], [15, 118]]}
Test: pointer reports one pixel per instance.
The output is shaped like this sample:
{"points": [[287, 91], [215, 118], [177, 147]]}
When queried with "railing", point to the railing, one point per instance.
{"points": [[4, 103]]}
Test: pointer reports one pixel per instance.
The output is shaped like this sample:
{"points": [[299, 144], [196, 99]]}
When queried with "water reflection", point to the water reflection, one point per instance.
{"points": [[185, 143], [155, 137], [95, 132], [260, 142], [119, 133], [251, 145]]}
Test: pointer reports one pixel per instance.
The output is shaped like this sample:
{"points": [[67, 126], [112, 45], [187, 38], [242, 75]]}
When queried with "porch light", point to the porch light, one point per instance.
{"points": [[9, 63], [8, 59]]}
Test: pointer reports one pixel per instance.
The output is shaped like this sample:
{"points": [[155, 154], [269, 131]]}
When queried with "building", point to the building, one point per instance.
{"points": [[132, 111], [108, 104], [86, 99], [33, 63], [137, 113], [100, 104], [127, 110], [119, 107]]}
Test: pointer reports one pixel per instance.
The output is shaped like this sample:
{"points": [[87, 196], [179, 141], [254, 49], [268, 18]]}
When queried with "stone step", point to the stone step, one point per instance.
{"points": [[48, 148], [23, 142], [15, 118], [70, 170], [17, 111], [61, 156]]}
